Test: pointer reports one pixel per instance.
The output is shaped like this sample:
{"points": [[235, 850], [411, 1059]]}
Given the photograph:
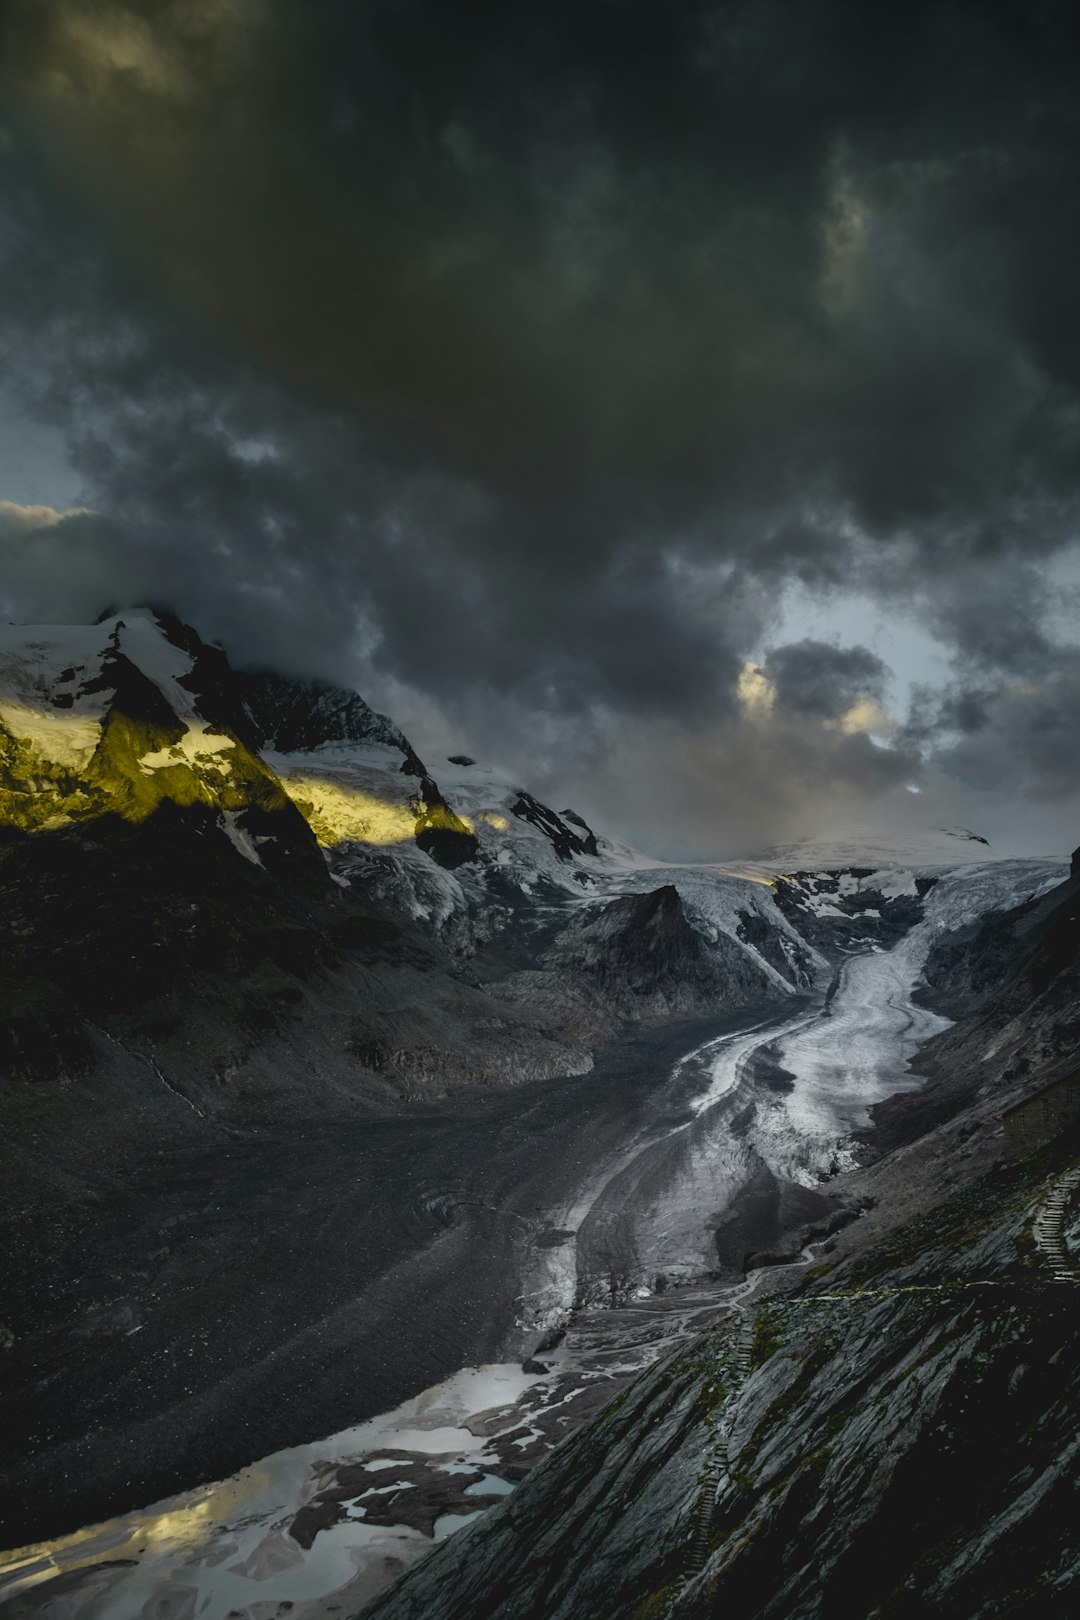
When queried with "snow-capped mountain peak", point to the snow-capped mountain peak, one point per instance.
{"points": [[127, 715]]}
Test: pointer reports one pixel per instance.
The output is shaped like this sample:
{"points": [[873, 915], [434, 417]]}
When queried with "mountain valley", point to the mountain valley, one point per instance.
{"points": [[332, 1075]]}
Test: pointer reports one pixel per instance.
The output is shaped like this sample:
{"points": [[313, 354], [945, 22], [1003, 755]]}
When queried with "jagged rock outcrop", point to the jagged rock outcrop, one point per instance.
{"points": [[847, 909], [292, 715], [440, 832], [564, 840], [642, 952], [634, 960], [591, 847]]}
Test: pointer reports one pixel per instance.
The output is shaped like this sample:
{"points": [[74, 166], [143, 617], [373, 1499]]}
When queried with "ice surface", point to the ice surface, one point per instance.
{"points": [[490, 1485], [61, 736], [141, 639], [654, 1208], [859, 1051], [449, 1522], [914, 848]]}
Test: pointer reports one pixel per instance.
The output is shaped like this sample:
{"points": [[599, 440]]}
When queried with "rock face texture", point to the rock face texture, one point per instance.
{"points": [[859, 905], [1011, 982], [902, 1442], [643, 954], [566, 840], [1020, 974], [635, 960], [293, 716]]}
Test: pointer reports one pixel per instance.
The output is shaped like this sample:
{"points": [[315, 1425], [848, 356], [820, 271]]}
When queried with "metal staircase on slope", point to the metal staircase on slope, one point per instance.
{"points": [[717, 1465], [1050, 1227]]}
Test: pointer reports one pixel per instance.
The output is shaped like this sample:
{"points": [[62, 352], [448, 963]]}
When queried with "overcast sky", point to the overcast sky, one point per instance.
{"points": [[676, 403]]}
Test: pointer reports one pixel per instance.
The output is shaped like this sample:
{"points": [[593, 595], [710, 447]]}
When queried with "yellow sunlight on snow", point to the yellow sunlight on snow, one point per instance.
{"points": [[64, 739], [337, 812], [49, 751]]}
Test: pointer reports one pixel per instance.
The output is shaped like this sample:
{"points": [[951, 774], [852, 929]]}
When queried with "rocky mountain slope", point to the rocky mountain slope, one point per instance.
{"points": [[893, 1436], [898, 1435], [240, 912], [1010, 983], [163, 820], [1018, 977]]}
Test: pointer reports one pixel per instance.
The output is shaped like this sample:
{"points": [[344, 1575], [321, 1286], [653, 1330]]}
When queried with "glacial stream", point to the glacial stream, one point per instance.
{"points": [[611, 1277]]}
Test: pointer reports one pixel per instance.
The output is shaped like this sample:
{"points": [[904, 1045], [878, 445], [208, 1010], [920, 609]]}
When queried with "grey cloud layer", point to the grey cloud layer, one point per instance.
{"points": [[522, 353], [812, 678]]}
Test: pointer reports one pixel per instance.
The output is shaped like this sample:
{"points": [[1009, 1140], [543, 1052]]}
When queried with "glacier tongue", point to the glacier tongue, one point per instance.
{"points": [[777, 1102], [859, 1051]]}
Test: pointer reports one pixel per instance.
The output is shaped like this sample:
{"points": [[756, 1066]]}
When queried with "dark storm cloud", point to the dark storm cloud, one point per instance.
{"points": [[530, 350], [954, 710], [1026, 735], [814, 678], [994, 615]]}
